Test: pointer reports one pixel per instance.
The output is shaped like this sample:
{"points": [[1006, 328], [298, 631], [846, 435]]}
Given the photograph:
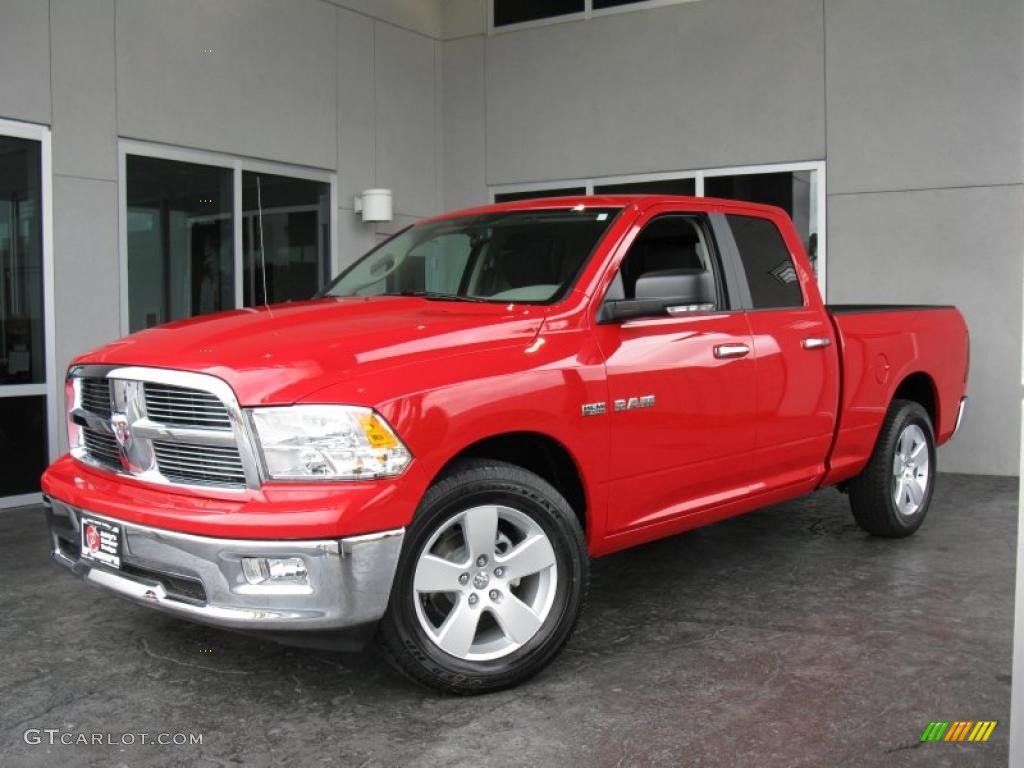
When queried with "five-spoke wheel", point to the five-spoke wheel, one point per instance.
{"points": [[490, 583], [890, 497], [910, 470], [485, 582]]}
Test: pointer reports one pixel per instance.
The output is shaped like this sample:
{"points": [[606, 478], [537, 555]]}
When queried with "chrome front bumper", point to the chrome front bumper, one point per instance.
{"points": [[200, 578]]}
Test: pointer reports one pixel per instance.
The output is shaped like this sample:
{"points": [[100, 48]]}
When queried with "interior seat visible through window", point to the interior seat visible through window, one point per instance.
{"points": [[668, 243]]}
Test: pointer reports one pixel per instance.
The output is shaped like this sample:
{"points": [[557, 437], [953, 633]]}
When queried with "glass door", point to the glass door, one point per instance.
{"points": [[24, 400]]}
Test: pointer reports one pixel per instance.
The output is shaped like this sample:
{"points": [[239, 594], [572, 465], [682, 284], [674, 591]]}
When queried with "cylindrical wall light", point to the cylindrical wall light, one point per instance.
{"points": [[374, 204]]}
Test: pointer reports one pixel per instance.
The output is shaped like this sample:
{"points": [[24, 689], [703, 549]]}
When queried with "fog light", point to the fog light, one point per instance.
{"points": [[274, 570]]}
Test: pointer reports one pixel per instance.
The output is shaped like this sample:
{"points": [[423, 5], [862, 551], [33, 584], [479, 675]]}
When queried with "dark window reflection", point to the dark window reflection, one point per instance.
{"points": [[536, 194], [599, 4], [517, 11], [180, 250], [22, 354], [663, 187], [22, 444], [296, 237]]}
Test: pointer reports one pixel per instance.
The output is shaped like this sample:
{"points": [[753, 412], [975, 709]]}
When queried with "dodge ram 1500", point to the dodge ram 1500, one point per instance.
{"points": [[431, 449]]}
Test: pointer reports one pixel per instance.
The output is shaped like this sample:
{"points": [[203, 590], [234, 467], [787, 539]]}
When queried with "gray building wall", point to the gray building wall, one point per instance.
{"points": [[350, 86], [925, 172], [916, 107]]}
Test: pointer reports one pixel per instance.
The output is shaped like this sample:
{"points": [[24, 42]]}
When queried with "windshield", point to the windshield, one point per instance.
{"points": [[521, 256]]}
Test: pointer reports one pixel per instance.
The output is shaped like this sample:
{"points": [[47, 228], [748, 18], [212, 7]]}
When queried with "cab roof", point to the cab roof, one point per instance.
{"points": [[608, 201]]}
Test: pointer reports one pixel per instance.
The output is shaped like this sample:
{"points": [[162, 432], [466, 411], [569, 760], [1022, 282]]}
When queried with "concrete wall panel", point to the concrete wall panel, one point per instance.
{"points": [[84, 91], [406, 94], [25, 60], [266, 88], [959, 246], [465, 182], [695, 85], [924, 94]]}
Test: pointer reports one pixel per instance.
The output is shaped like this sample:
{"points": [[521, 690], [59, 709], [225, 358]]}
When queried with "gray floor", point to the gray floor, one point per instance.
{"points": [[784, 638]]}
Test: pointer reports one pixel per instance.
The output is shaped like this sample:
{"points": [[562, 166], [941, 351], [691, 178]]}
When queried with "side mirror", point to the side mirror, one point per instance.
{"points": [[672, 292]]}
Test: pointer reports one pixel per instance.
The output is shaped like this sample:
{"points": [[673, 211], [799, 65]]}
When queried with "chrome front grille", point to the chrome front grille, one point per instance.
{"points": [[162, 426], [102, 447], [96, 396], [185, 407], [199, 464]]}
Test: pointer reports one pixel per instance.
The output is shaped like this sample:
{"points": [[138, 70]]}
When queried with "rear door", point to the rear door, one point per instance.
{"points": [[795, 352], [680, 389]]}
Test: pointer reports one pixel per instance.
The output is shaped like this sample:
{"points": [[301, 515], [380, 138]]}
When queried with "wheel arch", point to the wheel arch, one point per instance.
{"points": [[535, 452], [920, 388]]}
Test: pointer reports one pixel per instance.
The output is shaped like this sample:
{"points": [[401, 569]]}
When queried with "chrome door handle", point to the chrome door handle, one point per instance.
{"points": [[816, 342], [724, 351]]}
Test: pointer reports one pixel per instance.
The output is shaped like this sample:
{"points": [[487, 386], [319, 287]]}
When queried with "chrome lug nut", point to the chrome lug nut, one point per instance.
{"points": [[464, 578], [481, 561], [473, 599], [495, 594], [499, 571]]}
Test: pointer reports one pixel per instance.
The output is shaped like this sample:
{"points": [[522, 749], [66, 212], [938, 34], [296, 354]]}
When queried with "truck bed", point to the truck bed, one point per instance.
{"points": [[886, 347]]}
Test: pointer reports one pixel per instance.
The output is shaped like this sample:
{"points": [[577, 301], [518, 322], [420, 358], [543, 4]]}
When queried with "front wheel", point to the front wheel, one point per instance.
{"points": [[891, 496], [491, 581]]}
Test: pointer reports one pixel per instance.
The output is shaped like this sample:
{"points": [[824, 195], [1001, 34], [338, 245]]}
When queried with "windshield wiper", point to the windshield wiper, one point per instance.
{"points": [[437, 296]]}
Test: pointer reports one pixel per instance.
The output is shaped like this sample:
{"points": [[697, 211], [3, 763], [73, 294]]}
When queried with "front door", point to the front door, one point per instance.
{"points": [[681, 389]]}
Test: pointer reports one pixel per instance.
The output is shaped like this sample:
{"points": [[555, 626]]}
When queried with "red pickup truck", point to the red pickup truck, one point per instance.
{"points": [[431, 449]]}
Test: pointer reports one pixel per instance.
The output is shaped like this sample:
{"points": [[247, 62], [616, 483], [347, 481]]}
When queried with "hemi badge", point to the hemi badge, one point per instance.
{"points": [[594, 409]]}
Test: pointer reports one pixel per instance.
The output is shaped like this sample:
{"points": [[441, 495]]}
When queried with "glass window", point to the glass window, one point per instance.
{"points": [[537, 194], [295, 231], [23, 433], [517, 11], [770, 272], [180, 246], [523, 256], [599, 4], [663, 187], [22, 354], [794, 192], [668, 243]]}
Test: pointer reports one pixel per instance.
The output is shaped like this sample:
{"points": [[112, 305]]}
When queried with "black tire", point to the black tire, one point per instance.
{"points": [[470, 484], [872, 492]]}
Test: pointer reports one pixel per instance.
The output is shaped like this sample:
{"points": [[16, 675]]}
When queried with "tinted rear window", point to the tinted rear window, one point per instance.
{"points": [[770, 271]]}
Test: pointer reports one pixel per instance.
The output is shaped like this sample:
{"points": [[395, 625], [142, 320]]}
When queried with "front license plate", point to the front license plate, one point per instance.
{"points": [[101, 541]]}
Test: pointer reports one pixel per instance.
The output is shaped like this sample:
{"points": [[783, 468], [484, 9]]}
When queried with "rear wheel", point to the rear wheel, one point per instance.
{"points": [[892, 494], [491, 580]]}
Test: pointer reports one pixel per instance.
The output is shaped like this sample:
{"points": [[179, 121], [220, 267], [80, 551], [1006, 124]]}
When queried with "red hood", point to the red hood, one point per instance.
{"points": [[283, 353]]}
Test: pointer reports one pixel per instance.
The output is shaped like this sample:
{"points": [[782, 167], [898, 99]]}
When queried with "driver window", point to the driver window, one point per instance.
{"points": [[673, 242]]}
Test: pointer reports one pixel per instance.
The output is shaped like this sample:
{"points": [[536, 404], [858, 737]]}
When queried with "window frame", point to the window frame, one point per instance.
{"points": [[237, 165], [588, 12], [819, 196], [49, 387]]}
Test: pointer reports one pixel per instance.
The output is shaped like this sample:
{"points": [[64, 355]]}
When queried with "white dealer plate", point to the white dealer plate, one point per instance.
{"points": [[101, 542]]}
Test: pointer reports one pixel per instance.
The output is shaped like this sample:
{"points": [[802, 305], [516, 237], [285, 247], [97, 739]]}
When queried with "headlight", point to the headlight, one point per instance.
{"points": [[327, 442]]}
